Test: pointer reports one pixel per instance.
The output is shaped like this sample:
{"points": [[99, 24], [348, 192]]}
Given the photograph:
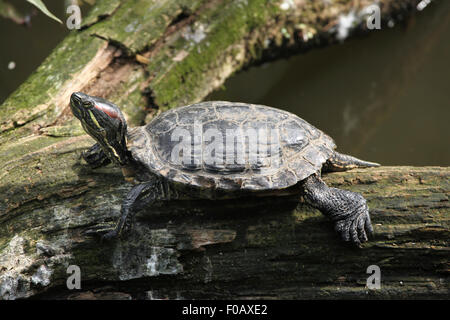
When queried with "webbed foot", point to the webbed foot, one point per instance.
{"points": [[347, 209], [355, 226], [112, 234], [95, 157], [104, 231]]}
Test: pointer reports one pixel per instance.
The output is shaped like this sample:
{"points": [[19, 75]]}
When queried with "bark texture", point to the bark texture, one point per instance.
{"points": [[148, 56], [272, 249]]}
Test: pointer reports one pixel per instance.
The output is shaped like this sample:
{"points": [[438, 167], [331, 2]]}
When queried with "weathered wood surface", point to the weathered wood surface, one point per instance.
{"points": [[274, 249], [147, 55]]}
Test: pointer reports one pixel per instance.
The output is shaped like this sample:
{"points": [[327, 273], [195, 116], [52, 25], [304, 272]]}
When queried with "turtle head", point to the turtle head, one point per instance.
{"points": [[104, 122]]}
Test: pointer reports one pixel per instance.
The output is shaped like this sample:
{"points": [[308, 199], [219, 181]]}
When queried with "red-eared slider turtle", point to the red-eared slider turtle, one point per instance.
{"points": [[218, 149]]}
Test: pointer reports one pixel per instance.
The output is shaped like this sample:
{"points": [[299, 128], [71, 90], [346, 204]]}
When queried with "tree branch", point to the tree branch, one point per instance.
{"points": [[148, 58]]}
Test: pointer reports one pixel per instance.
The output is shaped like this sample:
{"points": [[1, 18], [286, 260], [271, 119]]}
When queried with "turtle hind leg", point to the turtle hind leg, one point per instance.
{"points": [[348, 210], [95, 156], [342, 162]]}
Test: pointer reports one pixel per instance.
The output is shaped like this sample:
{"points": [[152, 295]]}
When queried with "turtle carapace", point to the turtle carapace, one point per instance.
{"points": [[218, 149]]}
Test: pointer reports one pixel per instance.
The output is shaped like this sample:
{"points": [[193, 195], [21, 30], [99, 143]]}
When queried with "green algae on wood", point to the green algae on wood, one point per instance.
{"points": [[51, 197], [181, 79], [101, 10], [137, 25]]}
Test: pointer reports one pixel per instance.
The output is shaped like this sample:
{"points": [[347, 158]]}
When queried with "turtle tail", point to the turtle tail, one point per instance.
{"points": [[342, 162]]}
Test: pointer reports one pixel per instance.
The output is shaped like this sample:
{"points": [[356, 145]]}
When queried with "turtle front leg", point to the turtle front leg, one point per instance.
{"points": [[347, 209], [143, 194], [95, 156]]}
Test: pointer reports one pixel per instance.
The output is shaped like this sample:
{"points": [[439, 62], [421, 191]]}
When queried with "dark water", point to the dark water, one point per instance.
{"points": [[384, 98], [27, 47]]}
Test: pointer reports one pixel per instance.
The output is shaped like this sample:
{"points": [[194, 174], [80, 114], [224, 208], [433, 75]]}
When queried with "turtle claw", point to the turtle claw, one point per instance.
{"points": [[112, 234], [95, 157], [101, 230], [356, 226], [348, 210]]}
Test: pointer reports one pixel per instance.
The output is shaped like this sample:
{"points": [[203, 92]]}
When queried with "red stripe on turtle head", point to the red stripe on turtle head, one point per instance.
{"points": [[108, 110]]}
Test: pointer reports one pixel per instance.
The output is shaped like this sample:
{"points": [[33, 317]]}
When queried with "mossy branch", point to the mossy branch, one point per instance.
{"points": [[147, 58]]}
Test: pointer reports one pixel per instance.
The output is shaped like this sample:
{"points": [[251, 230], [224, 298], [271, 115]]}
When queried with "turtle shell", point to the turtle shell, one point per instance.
{"points": [[231, 146]]}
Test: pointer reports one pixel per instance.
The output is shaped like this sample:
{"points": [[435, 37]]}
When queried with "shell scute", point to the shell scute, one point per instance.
{"points": [[271, 148], [283, 178]]}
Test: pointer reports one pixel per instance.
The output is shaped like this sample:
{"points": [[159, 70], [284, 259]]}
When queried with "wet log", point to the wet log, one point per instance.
{"points": [[148, 58]]}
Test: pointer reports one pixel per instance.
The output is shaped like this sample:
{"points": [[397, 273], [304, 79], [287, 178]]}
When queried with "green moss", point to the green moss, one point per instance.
{"points": [[271, 233], [45, 83], [180, 82], [130, 99], [59, 67], [16, 151], [71, 128], [40, 174], [138, 24], [101, 9]]}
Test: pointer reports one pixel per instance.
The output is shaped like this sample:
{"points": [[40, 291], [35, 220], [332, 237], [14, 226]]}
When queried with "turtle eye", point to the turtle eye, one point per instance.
{"points": [[86, 104]]}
